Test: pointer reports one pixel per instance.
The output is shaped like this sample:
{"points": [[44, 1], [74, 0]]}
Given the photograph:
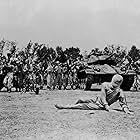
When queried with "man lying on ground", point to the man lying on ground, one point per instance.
{"points": [[110, 93]]}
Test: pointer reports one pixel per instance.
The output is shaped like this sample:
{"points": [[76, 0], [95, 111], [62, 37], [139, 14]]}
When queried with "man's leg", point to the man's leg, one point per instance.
{"points": [[82, 106], [76, 106], [84, 101]]}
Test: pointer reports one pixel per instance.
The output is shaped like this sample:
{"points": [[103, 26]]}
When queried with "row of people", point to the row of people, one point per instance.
{"points": [[63, 76], [56, 76]]}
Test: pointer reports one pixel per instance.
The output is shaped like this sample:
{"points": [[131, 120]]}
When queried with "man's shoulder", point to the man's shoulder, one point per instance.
{"points": [[106, 83]]}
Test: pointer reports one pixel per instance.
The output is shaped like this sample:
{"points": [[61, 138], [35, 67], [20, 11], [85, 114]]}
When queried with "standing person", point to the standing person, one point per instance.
{"points": [[59, 76], [58, 80], [37, 82], [136, 84], [65, 75], [110, 93], [8, 80], [49, 76]]}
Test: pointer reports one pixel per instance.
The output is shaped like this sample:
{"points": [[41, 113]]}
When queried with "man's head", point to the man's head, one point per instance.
{"points": [[117, 80]]}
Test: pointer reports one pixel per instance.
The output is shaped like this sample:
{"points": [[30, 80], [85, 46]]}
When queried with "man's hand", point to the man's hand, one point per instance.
{"points": [[107, 108], [127, 111], [130, 113]]}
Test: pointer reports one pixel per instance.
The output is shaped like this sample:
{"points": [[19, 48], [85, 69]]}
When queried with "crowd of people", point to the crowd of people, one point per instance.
{"points": [[30, 77], [63, 76]]}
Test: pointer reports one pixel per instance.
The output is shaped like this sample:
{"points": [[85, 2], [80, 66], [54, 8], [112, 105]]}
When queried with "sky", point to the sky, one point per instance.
{"points": [[80, 23]]}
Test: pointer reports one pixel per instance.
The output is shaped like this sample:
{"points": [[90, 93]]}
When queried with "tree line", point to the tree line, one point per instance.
{"points": [[41, 54]]}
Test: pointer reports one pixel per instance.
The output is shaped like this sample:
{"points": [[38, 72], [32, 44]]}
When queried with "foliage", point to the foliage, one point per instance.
{"points": [[61, 57], [72, 53], [117, 52], [96, 52], [7, 49], [41, 55], [59, 50], [134, 53]]}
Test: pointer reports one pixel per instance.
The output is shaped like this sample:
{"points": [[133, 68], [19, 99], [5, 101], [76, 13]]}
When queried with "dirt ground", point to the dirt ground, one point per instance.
{"points": [[34, 117]]}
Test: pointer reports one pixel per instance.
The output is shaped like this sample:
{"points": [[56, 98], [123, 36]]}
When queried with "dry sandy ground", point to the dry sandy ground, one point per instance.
{"points": [[34, 117]]}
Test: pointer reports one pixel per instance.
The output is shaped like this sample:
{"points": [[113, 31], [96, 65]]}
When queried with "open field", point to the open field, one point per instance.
{"points": [[34, 117]]}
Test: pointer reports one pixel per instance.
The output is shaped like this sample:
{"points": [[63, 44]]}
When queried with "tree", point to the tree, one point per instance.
{"points": [[61, 56], [117, 52], [7, 49], [96, 52], [109, 49], [72, 53], [45, 55], [134, 53], [59, 50]]}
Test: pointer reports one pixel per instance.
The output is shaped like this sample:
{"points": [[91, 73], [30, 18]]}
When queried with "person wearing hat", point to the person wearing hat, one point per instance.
{"points": [[110, 93]]}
